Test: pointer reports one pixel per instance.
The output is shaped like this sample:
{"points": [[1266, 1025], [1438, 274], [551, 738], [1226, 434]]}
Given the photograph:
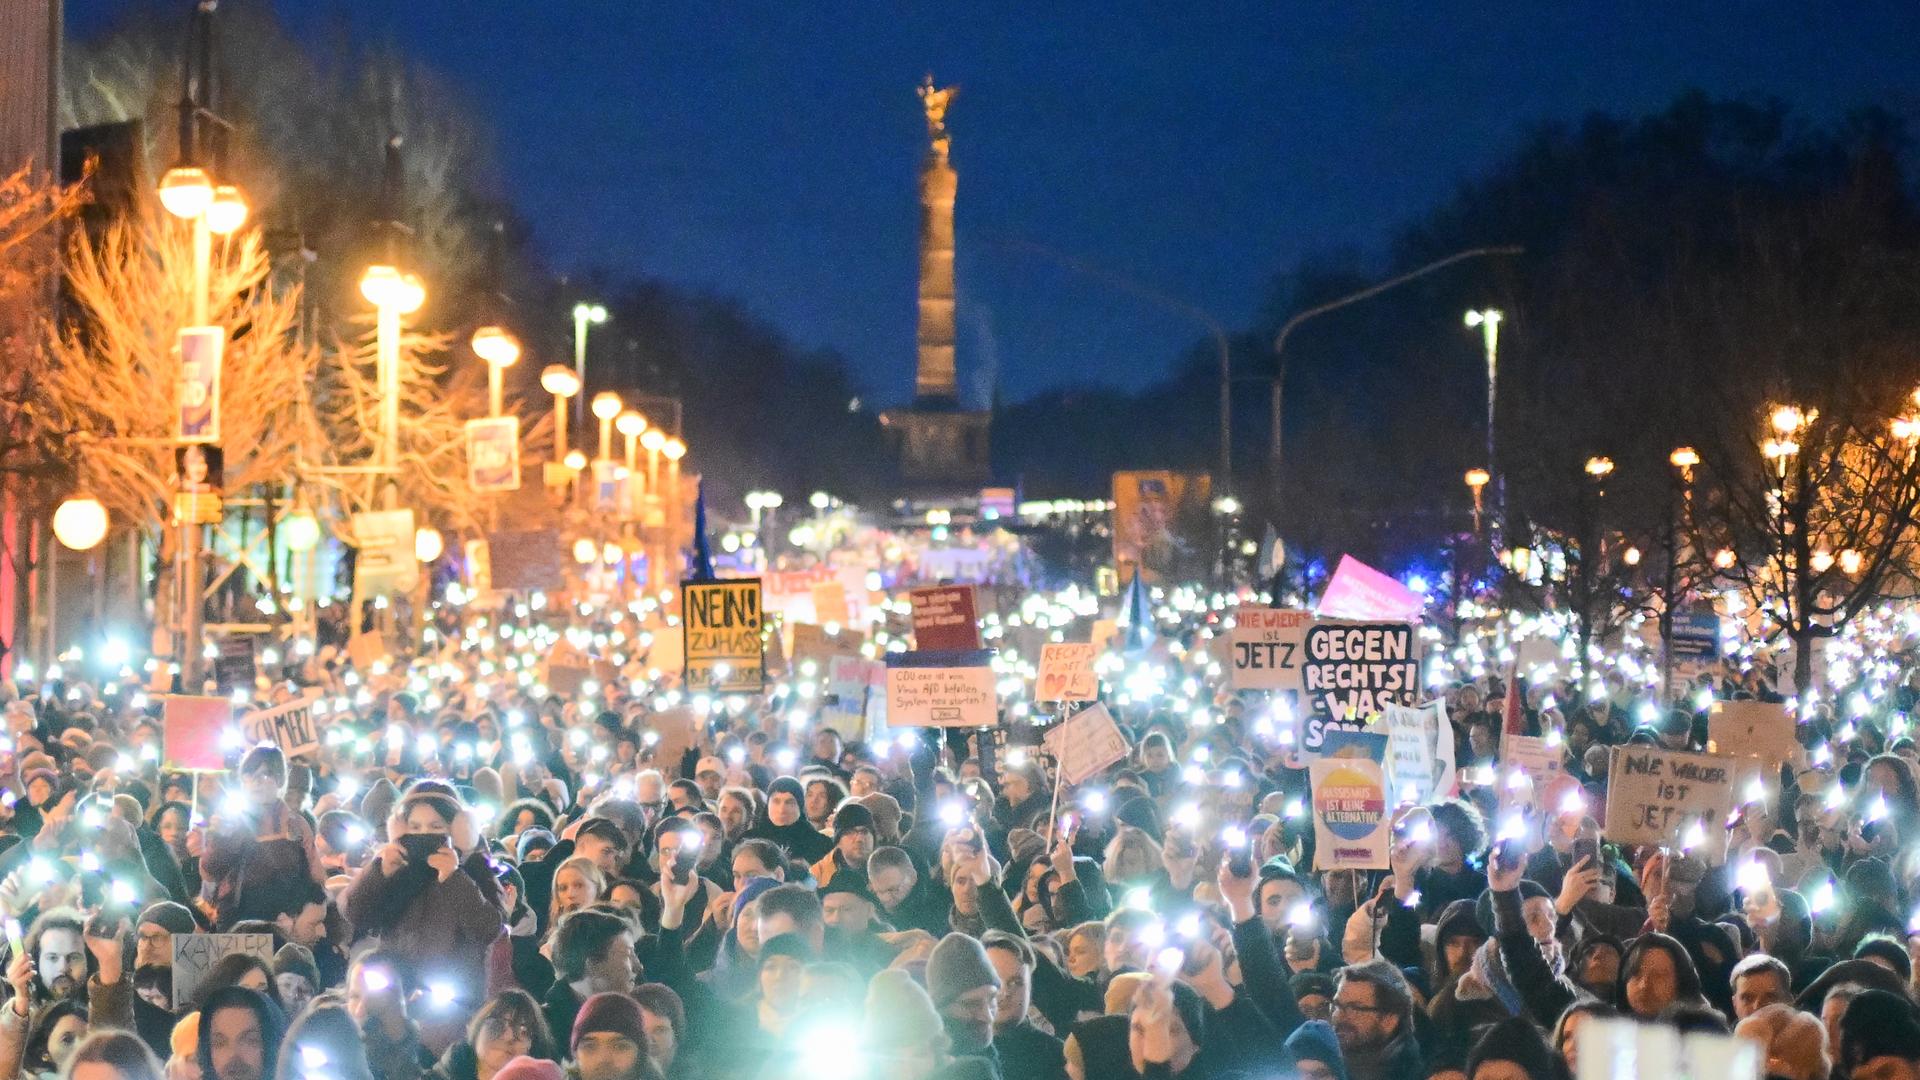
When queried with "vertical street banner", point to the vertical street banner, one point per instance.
{"points": [[202, 349], [1267, 647], [385, 562], [606, 486], [1354, 670], [493, 454], [1161, 523], [1695, 643], [944, 619], [1066, 673], [1350, 820], [941, 689], [721, 624]]}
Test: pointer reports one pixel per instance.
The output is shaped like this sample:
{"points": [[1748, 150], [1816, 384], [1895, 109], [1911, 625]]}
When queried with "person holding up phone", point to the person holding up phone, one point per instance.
{"points": [[257, 849]]}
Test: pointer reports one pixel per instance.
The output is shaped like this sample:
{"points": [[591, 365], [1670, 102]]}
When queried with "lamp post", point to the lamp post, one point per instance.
{"points": [[1488, 320], [583, 316], [1683, 459], [606, 406], [392, 295], [501, 350], [1476, 480], [79, 523], [673, 450], [560, 381]]}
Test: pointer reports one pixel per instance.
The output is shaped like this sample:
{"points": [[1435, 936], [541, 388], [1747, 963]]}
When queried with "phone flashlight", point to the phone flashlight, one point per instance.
{"points": [[1168, 961], [951, 814]]}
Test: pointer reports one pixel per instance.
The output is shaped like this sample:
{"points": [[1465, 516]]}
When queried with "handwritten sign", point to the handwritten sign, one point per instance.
{"points": [[722, 634], [944, 619], [679, 731], [190, 730], [289, 726], [1531, 755], [1653, 796], [1268, 649], [1066, 672], [941, 689], [1752, 729], [1086, 743], [1355, 670], [194, 956], [1419, 751], [1350, 821], [830, 603]]}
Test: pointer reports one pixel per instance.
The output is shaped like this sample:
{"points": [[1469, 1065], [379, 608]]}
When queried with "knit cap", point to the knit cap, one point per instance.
{"points": [[959, 963], [616, 1013]]}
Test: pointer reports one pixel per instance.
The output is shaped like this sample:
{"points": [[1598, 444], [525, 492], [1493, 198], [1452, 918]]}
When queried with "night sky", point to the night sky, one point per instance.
{"points": [[768, 150]]}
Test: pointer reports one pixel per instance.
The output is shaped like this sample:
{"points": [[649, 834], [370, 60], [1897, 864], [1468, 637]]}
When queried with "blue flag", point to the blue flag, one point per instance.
{"points": [[1136, 614], [702, 551]]}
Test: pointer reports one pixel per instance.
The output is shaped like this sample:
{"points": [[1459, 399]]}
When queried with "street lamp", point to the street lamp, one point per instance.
{"points": [[226, 211], [1599, 467], [584, 315], [1850, 561], [560, 381], [186, 191], [501, 350], [80, 522], [428, 544], [819, 500], [606, 406], [651, 440], [392, 295], [1476, 480], [1488, 321]]}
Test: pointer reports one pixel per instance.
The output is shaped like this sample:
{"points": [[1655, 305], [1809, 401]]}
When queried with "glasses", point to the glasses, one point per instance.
{"points": [[497, 1028], [1354, 1006]]}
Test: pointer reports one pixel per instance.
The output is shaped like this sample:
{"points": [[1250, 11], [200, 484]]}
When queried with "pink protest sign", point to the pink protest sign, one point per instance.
{"points": [[1358, 591]]}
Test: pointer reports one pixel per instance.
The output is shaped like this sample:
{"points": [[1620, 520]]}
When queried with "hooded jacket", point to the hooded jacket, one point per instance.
{"points": [[799, 840]]}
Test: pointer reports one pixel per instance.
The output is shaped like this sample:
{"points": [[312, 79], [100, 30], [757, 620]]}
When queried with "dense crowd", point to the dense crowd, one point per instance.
{"points": [[474, 878]]}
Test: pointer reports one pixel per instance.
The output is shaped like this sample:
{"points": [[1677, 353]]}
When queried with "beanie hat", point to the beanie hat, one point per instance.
{"points": [[1191, 1010], [297, 959], [169, 916], [900, 1014], [617, 1013], [185, 1040], [1878, 1024], [850, 816], [1315, 1041], [959, 963], [529, 1068], [1514, 1039], [788, 945], [845, 882], [523, 846], [1312, 984]]}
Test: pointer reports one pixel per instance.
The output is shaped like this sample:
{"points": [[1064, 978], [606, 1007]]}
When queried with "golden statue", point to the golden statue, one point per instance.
{"points": [[935, 101]]}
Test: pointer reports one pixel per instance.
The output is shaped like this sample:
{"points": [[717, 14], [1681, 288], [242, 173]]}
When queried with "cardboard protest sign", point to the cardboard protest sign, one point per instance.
{"points": [[1654, 795], [669, 649], [1355, 670], [1358, 591], [944, 618], [190, 730], [1753, 729], [1419, 751], [1350, 819], [1531, 755], [290, 727], [1102, 634], [194, 956], [1086, 743], [941, 689], [721, 620], [813, 645], [234, 667], [526, 560], [851, 678], [830, 603], [1341, 744], [367, 649], [1267, 647], [679, 731], [566, 679], [1066, 673]]}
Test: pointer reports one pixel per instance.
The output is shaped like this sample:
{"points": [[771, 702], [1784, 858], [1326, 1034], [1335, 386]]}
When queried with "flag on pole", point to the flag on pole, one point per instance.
{"points": [[702, 550], [1136, 614]]}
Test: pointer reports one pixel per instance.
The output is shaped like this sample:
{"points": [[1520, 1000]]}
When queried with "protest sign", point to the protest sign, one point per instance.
{"points": [[1345, 743], [1355, 670], [1085, 743], [679, 731], [1752, 729], [1066, 673], [1419, 751], [1315, 729], [525, 560], [1531, 755], [722, 634], [789, 593], [944, 619], [194, 956], [1653, 796], [1267, 649], [1158, 519], [668, 651], [289, 726], [850, 678], [233, 666], [1350, 820], [367, 650], [190, 730], [941, 689], [1358, 591], [830, 603], [1102, 634], [813, 645]]}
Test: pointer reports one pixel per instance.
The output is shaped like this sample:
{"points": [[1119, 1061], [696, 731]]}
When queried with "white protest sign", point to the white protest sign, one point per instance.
{"points": [[1350, 820], [1531, 755], [1655, 796], [1085, 743], [1267, 647], [290, 726], [194, 956], [944, 696], [1419, 751], [1066, 673]]}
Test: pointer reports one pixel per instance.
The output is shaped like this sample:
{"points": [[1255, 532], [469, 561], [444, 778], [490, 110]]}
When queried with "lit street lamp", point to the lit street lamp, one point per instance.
{"points": [[1488, 321], [560, 381], [1476, 480], [501, 350], [583, 316], [606, 406], [392, 295]]}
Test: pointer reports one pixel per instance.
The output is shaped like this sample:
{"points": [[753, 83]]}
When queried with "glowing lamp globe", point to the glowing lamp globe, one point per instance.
{"points": [[592, 313], [610, 554], [630, 423], [575, 460], [585, 551], [227, 211], [653, 439], [186, 191], [606, 405], [80, 522], [674, 449], [300, 530], [496, 345], [428, 543], [387, 287], [559, 380]]}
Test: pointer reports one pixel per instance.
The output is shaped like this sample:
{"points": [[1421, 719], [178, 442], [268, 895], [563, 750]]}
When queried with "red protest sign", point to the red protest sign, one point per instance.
{"points": [[944, 619], [190, 730]]}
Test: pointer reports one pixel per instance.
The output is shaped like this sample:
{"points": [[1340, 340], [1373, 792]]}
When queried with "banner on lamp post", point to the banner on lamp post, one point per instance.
{"points": [[606, 486], [385, 563], [201, 351], [493, 454]]}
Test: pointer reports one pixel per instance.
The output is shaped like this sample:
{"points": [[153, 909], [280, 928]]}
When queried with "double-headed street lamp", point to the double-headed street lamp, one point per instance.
{"points": [[560, 381], [1487, 321], [584, 315]]}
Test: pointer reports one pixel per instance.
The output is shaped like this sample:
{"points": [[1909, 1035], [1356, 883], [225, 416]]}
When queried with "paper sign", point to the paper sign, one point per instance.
{"points": [[813, 645], [1358, 591], [1355, 669], [1419, 751], [1066, 673], [367, 650], [1754, 729], [190, 730], [944, 619], [194, 956], [679, 731], [1267, 649], [668, 651], [941, 689], [1104, 631], [289, 726], [199, 406], [385, 563], [1654, 795], [1531, 755], [493, 453], [722, 634], [233, 666], [830, 603], [1086, 743], [851, 678], [1350, 820]]}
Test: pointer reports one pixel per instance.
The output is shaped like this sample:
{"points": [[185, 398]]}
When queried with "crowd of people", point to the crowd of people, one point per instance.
{"points": [[475, 878]]}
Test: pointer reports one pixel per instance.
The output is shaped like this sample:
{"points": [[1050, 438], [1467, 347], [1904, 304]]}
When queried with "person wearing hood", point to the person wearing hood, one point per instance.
{"points": [[1879, 1038], [1512, 1047], [1314, 1052], [509, 1025], [784, 822]]}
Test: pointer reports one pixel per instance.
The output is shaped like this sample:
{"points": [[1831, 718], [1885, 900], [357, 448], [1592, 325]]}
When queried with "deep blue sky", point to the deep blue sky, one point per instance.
{"points": [[768, 149]]}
